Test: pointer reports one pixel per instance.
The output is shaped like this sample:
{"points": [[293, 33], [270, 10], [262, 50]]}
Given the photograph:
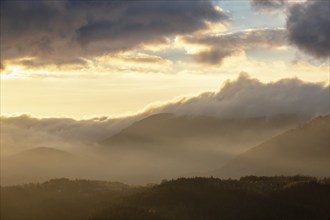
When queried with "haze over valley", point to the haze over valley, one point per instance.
{"points": [[183, 138], [165, 109]]}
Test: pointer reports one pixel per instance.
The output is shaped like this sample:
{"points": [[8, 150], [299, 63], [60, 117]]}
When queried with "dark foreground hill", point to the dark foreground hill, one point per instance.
{"points": [[304, 150], [250, 197]]}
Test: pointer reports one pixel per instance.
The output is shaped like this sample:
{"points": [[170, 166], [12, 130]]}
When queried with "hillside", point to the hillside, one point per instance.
{"points": [[304, 150], [170, 128], [169, 146], [207, 140], [210, 198], [251, 197], [42, 153], [157, 147], [38, 164], [58, 199]]}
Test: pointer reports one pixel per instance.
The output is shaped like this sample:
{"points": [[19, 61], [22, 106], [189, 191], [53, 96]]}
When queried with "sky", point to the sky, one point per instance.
{"points": [[83, 59]]}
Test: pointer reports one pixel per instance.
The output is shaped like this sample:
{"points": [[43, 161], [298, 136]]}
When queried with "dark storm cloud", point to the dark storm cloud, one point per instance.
{"points": [[223, 46], [268, 5], [61, 32], [308, 27]]}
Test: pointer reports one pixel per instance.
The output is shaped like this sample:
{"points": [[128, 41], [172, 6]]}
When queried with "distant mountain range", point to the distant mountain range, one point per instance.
{"points": [[304, 150], [38, 164], [169, 146], [42, 154], [169, 133]]}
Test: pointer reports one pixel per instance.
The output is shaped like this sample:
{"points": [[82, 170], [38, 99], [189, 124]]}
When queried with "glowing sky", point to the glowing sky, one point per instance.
{"points": [[85, 58]]}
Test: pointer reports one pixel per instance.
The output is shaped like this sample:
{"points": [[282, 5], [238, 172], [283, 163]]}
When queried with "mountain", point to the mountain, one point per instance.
{"points": [[42, 153], [36, 164], [294, 197], [58, 199], [168, 145], [173, 131], [304, 150], [157, 147], [250, 198], [43, 163]]}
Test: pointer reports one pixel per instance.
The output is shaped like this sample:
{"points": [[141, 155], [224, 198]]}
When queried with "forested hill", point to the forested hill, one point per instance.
{"points": [[251, 197]]}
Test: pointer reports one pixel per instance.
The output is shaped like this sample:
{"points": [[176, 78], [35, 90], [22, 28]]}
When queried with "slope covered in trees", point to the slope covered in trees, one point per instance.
{"points": [[251, 197]]}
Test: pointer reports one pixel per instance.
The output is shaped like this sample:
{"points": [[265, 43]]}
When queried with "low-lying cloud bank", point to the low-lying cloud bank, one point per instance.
{"points": [[242, 98], [247, 97], [27, 132]]}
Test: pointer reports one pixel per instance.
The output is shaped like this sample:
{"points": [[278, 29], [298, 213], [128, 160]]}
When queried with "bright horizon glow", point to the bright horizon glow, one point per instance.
{"points": [[116, 97], [84, 84]]}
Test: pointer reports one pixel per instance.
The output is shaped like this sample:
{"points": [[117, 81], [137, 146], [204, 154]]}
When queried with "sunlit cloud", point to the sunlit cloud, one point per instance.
{"points": [[268, 5], [190, 48], [67, 31], [221, 46]]}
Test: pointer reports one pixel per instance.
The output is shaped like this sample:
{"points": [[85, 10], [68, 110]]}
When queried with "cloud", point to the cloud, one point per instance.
{"points": [[247, 97], [268, 5], [242, 98], [308, 27], [221, 46], [26, 132], [66, 32]]}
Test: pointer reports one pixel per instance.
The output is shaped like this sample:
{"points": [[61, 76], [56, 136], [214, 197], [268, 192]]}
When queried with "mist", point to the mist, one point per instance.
{"points": [[189, 136]]}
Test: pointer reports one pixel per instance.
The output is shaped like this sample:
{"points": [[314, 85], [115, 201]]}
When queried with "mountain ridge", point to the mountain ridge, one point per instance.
{"points": [[304, 150]]}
